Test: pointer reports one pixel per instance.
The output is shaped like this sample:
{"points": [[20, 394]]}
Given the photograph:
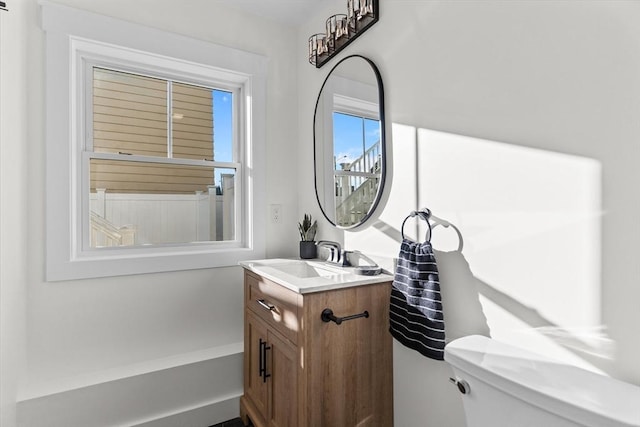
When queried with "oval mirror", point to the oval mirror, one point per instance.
{"points": [[349, 142]]}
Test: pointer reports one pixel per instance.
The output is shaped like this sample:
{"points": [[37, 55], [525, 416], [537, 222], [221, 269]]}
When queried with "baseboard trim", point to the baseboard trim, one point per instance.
{"points": [[63, 385], [206, 414], [191, 390]]}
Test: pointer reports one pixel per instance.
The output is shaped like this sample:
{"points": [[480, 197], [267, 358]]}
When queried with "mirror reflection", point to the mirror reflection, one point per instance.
{"points": [[349, 142]]}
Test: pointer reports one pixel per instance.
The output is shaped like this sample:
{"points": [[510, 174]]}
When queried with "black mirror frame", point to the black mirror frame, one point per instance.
{"points": [[383, 149]]}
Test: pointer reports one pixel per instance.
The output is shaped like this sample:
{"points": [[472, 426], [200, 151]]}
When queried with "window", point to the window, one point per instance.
{"points": [[161, 160], [155, 165]]}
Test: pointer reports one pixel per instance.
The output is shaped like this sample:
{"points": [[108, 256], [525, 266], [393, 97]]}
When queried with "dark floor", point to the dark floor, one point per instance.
{"points": [[236, 422]]}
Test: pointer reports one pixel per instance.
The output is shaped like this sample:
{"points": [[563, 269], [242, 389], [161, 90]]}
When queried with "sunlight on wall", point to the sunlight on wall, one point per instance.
{"points": [[531, 224]]}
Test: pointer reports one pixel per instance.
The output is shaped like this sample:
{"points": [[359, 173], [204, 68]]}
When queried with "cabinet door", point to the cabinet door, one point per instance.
{"points": [[350, 367], [283, 393], [255, 386]]}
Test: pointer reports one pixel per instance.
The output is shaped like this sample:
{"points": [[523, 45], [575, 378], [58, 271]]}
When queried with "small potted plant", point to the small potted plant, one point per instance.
{"points": [[307, 229]]}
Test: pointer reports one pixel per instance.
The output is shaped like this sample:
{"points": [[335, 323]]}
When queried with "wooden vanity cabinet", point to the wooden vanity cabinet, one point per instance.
{"points": [[270, 374], [300, 371]]}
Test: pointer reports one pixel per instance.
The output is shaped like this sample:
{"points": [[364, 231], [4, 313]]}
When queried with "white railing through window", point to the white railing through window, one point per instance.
{"points": [[104, 233], [356, 186]]}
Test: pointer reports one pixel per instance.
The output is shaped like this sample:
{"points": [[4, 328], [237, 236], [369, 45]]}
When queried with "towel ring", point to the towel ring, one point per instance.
{"points": [[424, 214], [427, 216], [447, 225]]}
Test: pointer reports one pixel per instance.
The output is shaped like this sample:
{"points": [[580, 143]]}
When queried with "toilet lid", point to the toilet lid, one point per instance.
{"points": [[568, 391]]}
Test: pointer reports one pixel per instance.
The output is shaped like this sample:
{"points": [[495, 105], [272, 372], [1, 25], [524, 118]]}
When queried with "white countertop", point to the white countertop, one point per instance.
{"points": [[307, 276]]}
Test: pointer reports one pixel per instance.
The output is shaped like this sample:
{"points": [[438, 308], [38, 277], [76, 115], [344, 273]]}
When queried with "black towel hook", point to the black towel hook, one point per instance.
{"points": [[425, 214]]}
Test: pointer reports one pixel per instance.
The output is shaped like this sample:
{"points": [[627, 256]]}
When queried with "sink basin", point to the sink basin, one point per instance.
{"points": [[304, 276], [305, 269]]}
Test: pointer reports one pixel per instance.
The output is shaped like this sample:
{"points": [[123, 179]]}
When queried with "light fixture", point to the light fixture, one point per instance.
{"points": [[3, 6], [342, 29]]}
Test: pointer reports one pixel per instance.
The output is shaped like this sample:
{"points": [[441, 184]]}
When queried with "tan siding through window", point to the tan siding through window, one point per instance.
{"points": [[192, 122], [118, 176], [130, 116]]}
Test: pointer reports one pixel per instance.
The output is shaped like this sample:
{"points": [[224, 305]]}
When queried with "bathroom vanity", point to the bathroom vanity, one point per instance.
{"points": [[303, 368]]}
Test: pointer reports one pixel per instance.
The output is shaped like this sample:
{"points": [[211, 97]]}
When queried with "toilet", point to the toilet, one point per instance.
{"points": [[504, 386]]}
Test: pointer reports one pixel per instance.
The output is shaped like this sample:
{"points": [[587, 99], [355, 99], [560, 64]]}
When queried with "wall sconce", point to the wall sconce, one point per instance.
{"points": [[3, 6], [342, 29]]}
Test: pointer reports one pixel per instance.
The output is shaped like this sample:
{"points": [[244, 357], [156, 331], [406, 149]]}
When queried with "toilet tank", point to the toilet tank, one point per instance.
{"points": [[511, 387]]}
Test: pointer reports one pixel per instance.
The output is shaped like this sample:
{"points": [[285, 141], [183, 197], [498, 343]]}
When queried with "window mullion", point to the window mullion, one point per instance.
{"points": [[162, 160]]}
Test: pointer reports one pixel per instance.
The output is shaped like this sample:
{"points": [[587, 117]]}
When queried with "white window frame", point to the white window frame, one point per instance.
{"points": [[90, 55], [356, 107], [74, 40]]}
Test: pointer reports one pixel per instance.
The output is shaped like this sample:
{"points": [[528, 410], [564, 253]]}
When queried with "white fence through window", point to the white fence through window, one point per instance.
{"points": [[143, 219]]}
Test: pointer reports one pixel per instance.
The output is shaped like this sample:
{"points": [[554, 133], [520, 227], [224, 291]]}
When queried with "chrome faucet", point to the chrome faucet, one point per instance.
{"points": [[337, 255]]}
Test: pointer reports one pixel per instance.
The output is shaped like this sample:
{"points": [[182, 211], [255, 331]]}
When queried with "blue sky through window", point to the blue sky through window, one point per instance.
{"points": [[352, 136], [222, 129], [222, 126]]}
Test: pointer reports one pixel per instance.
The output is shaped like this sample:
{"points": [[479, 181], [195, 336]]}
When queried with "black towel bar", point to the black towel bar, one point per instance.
{"points": [[328, 316]]}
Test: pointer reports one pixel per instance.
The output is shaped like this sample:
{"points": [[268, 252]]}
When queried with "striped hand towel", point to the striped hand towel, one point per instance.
{"points": [[415, 309]]}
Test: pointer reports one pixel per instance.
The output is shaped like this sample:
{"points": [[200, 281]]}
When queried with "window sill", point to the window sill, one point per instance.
{"points": [[118, 264]]}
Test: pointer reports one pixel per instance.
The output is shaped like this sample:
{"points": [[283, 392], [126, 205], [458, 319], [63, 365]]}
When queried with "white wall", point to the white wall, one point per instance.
{"points": [[14, 129], [543, 193], [56, 336], [542, 189]]}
